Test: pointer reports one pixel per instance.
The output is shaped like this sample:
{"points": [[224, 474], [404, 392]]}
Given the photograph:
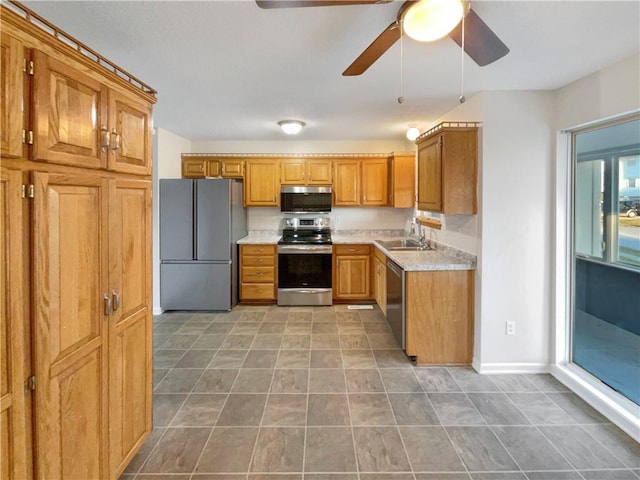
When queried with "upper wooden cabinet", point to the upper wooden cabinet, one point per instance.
{"points": [[305, 171], [447, 169], [360, 182], [346, 183], [261, 186], [402, 180], [80, 121], [11, 79], [204, 166], [374, 182]]}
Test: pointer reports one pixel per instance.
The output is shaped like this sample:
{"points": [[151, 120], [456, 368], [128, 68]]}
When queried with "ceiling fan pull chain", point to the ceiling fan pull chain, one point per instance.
{"points": [[461, 98], [400, 98]]}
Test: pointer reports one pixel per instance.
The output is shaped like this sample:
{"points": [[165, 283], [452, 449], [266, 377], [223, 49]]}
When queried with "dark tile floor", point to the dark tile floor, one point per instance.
{"points": [[324, 393]]}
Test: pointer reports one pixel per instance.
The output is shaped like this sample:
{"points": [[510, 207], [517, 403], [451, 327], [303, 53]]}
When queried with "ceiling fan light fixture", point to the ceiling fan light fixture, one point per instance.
{"points": [[291, 127], [429, 20], [413, 133]]}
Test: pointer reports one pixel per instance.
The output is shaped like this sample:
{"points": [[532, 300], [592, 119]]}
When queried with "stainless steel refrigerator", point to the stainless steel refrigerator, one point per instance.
{"points": [[200, 222]]}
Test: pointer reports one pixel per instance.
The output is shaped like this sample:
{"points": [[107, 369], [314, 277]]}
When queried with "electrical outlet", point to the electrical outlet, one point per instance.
{"points": [[511, 328]]}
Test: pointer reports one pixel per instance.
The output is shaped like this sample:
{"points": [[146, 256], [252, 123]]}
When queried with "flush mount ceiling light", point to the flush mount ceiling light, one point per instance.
{"points": [[413, 132], [429, 20], [291, 127]]}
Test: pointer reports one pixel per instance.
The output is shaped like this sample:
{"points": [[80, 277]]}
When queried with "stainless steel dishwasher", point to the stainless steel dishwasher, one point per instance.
{"points": [[395, 301]]}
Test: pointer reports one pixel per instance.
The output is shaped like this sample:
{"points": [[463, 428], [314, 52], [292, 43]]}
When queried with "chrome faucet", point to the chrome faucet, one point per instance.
{"points": [[421, 238]]}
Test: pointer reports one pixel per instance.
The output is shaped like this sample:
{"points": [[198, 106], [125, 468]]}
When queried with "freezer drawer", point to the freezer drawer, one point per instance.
{"points": [[195, 286]]}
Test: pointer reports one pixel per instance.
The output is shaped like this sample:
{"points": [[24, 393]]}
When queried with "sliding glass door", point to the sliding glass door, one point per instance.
{"points": [[606, 254]]}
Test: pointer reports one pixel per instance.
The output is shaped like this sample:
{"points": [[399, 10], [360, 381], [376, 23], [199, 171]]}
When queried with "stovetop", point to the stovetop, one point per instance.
{"points": [[313, 237], [306, 231]]}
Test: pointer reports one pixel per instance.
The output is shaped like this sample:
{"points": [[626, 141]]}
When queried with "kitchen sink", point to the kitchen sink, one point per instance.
{"points": [[403, 245]]}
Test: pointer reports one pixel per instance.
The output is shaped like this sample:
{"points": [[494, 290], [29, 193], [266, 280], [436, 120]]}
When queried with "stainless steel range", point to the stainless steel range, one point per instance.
{"points": [[304, 262]]}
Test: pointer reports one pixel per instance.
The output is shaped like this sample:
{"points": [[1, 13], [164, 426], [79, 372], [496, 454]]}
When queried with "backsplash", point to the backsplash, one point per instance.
{"points": [[342, 219]]}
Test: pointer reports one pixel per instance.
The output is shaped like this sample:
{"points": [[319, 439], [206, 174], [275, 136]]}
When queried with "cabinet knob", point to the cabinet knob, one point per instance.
{"points": [[115, 300], [107, 305]]}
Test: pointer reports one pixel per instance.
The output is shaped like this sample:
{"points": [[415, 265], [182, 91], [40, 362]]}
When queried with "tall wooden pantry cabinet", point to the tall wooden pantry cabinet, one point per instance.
{"points": [[75, 311]]}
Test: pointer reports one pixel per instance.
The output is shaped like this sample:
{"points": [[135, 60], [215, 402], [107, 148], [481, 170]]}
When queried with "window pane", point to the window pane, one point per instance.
{"points": [[629, 210], [606, 269], [589, 213]]}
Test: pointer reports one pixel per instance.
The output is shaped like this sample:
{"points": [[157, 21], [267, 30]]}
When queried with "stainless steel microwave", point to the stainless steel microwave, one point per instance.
{"points": [[301, 199]]}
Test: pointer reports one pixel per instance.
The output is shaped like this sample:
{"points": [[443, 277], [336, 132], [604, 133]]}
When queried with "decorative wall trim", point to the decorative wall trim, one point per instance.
{"points": [[336, 156]]}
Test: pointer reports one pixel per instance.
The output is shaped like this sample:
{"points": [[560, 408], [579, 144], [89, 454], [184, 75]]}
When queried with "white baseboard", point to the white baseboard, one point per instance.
{"points": [[157, 310], [617, 408], [498, 368]]}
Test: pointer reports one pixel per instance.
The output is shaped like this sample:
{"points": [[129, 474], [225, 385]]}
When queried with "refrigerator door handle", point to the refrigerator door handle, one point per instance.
{"points": [[194, 213]]}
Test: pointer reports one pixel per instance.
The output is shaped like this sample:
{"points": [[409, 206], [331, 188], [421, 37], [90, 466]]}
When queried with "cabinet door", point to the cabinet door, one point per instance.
{"points": [[430, 175], [14, 353], [232, 168], [70, 257], [346, 182], [374, 182], [319, 172], [352, 277], [261, 187], [130, 375], [402, 178], [129, 134], [192, 168], [292, 171], [11, 96], [212, 168], [70, 115]]}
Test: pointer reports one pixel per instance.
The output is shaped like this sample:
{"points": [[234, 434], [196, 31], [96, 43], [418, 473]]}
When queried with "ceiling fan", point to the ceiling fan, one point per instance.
{"points": [[480, 43]]}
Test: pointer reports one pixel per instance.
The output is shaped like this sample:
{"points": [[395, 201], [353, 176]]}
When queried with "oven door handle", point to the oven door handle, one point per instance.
{"points": [[302, 249]]}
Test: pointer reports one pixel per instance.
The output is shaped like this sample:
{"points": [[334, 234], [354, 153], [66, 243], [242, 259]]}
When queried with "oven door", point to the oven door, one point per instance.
{"points": [[304, 275]]}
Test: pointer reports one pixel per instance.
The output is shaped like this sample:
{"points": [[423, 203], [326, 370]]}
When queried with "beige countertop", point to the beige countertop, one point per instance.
{"points": [[442, 258]]}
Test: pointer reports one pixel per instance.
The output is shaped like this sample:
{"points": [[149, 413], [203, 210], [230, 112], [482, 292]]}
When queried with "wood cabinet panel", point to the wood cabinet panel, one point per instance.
{"points": [[11, 96], [130, 134], [352, 272], [258, 272], [292, 171], [439, 316], [14, 354], [319, 172], [232, 168], [193, 168], [380, 279], [71, 277], [346, 183], [130, 336], [374, 182], [430, 176], [402, 180], [70, 115], [447, 171], [261, 183]]}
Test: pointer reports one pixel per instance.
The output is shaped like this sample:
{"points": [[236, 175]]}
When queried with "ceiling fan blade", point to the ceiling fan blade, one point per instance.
{"points": [[381, 44], [480, 43], [313, 3]]}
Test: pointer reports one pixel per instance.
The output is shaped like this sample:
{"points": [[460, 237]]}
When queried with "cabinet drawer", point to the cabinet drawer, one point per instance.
{"points": [[352, 249], [258, 274], [258, 261], [257, 249], [257, 291]]}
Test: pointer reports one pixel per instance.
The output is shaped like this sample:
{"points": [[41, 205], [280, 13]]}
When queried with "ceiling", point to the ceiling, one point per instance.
{"points": [[228, 70]]}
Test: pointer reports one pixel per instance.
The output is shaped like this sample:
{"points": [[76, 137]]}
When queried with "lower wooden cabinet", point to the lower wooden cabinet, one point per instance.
{"points": [[258, 269], [352, 272], [439, 316], [380, 279]]}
